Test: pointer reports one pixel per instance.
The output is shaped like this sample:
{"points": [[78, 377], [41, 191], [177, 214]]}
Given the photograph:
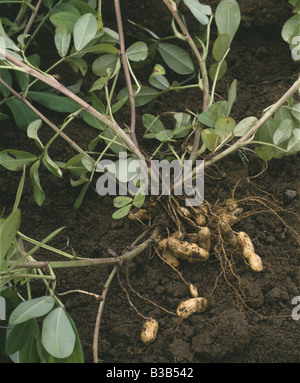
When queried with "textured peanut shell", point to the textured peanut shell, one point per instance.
{"points": [[169, 258], [203, 238], [253, 259], [193, 305], [149, 331], [188, 251]]}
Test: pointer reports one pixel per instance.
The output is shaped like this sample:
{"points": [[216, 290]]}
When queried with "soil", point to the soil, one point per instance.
{"points": [[249, 314]]}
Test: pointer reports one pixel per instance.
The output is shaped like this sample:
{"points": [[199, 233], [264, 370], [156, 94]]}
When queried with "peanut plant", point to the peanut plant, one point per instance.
{"points": [[79, 33]]}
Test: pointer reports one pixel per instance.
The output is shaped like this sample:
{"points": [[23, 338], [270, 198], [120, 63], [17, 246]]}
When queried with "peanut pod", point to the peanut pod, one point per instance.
{"points": [[149, 331], [187, 251], [253, 259], [193, 305], [203, 238]]}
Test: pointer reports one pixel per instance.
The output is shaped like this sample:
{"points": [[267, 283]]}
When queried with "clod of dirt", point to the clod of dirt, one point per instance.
{"points": [[230, 334]]}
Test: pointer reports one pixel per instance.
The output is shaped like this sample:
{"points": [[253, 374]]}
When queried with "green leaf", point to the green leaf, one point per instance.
{"points": [[51, 165], [85, 30], [77, 63], [3, 117], [105, 64], [22, 114], [100, 83], [8, 232], [15, 160], [67, 19], [9, 44], [244, 126], [266, 131], [33, 308], [152, 124], [176, 58], [32, 130], [228, 17], [295, 44], [213, 70], [296, 111], [92, 121], [224, 127], [231, 96], [77, 355], [6, 76], [83, 7], [283, 132], [210, 138], [122, 201], [54, 102], [138, 51], [29, 352], [20, 334], [294, 142], [38, 193], [139, 200], [182, 124], [100, 48], [206, 119], [289, 28], [198, 10], [62, 40], [220, 46], [144, 96], [58, 336], [266, 153], [118, 105], [120, 213], [79, 199]]}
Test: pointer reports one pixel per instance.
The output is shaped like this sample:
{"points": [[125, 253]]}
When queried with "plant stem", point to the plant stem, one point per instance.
{"points": [[202, 65], [32, 17], [46, 120], [126, 71], [99, 315], [112, 124], [85, 262]]}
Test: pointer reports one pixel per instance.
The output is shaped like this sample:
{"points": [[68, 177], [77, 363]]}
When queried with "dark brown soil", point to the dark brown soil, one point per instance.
{"points": [[259, 329]]}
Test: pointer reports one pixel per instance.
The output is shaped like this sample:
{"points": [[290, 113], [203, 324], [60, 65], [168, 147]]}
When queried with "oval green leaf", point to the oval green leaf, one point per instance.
{"points": [[220, 46], [137, 51], [85, 30], [228, 17], [62, 40], [244, 125], [121, 213], [105, 64], [8, 232], [33, 308], [176, 58], [58, 336]]}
